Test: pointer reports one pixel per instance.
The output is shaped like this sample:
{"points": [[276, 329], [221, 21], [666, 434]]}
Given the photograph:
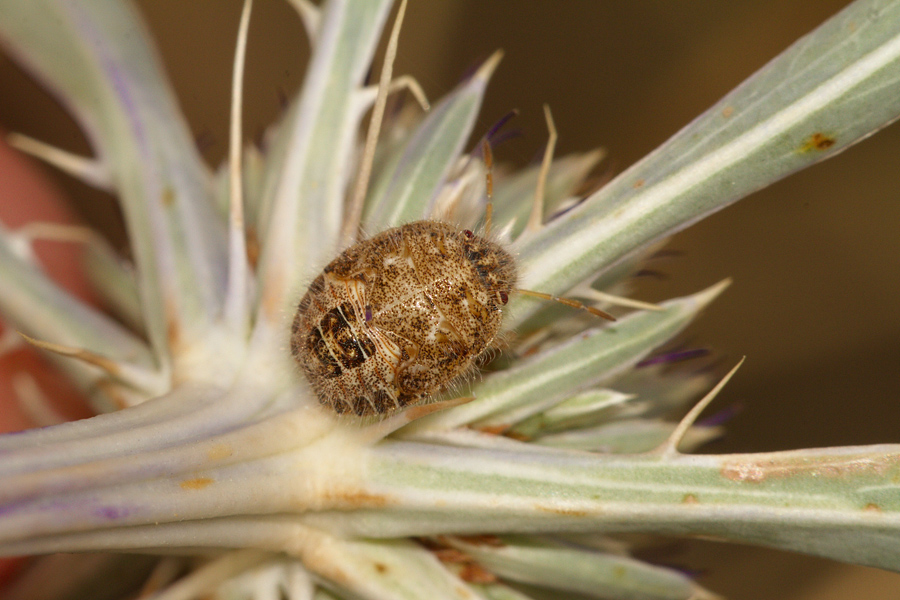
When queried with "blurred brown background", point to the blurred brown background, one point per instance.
{"points": [[815, 258]]}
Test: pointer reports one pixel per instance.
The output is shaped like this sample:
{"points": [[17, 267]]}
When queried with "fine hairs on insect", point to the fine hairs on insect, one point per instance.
{"points": [[397, 318]]}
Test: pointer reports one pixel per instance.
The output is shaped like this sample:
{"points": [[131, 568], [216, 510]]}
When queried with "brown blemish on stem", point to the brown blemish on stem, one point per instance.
{"points": [[253, 249], [566, 512], [493, 429], [272, 297], [219, 452], [474, 573], [482, 540], [353, 499], [197, 483], [168, 197], [748, 471], [451, 556], [466, 568], [112, 391], [817, 141], [173, 330]]}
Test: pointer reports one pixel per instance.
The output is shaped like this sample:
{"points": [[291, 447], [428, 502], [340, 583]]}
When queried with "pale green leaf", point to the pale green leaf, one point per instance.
{"points": [[95, 56], [38, 307], [629, 436], [829, 90], [406, 187], [583, 408], [312, 157], [597, 575]]}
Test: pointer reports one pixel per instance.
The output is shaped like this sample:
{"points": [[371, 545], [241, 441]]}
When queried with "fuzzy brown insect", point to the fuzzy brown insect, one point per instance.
{"points": [[397, 317]]}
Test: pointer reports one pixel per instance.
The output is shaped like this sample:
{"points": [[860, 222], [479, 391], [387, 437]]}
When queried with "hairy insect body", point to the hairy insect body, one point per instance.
{"points": [[395, 318]]}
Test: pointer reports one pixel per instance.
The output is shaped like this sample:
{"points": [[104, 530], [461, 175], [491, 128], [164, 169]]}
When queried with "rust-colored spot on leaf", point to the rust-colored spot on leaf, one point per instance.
{"points": [[197, 483], [690, 499], [451, 556], [464, 565], [482, 540], [514, 435], [253, 249], [638, 184], [817, 141], [475, 573], [872, 507], [493, 429], [381, 567], [727, 111], [757, 471]]}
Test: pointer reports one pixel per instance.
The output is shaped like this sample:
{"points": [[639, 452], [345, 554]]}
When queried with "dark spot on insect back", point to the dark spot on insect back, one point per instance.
{"points": [[353, 350], [318, 347]]}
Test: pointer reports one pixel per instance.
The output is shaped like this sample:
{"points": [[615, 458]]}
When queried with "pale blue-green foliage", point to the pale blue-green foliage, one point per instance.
{"points": [[222, 446]]}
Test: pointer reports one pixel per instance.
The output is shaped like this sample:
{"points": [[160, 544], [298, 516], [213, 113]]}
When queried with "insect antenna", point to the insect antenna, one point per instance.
{"points": [[568, 302], [489, 209], [488, 157]]}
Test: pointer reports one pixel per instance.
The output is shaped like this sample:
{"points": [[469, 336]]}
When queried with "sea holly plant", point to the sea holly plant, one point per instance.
{"points": [[209, 450]]}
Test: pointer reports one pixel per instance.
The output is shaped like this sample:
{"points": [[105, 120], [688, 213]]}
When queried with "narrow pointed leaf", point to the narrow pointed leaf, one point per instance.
{"points": [[829, 90], [406, 187], [593, 574], [38, 307], [312, 158], [579, 410], [631, 436], [114, 281], [390, 570], [96, 58]]}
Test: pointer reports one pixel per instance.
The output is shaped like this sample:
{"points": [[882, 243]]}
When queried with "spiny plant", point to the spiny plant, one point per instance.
{"points": [[209, 449]]}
